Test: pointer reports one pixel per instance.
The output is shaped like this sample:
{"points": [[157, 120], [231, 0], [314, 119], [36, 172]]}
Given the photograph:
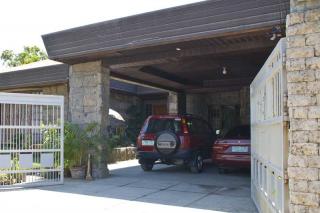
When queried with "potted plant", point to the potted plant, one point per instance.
{"points": [[75, 150]]}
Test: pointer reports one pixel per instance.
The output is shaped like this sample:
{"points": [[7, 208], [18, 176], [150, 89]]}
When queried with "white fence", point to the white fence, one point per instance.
{"points": [[269, 134], [31, 140]]}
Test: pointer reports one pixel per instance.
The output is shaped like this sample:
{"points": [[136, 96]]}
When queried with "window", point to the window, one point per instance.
{"points": [[240, 132], [158, 125], [192, 126], [198, 126], [205, 128]]}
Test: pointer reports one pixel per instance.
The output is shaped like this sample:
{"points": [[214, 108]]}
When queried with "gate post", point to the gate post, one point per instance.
{"points": [[303, 66], [89, 101]]}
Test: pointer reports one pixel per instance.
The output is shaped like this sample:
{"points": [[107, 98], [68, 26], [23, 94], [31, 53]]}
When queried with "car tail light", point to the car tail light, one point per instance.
{"points": [[148, 147], [184, 127], [225, 146]]}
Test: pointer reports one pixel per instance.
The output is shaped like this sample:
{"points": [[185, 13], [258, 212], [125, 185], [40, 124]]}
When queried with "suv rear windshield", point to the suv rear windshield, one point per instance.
{"points": [[239, 132], [158, 125]]}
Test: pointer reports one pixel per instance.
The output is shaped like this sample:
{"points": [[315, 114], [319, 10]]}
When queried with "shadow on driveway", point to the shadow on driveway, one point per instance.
{"points": [[166, 188]]}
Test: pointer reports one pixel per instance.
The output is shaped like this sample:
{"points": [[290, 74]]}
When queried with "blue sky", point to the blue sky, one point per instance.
{"points": [[23, 22]]}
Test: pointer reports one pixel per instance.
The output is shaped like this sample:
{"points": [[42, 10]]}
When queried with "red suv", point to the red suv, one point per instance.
{"points": [[174, 139]]}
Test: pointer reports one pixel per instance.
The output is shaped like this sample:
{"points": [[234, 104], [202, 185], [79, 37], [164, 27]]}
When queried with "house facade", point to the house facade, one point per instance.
{"points": [[204, 55]]}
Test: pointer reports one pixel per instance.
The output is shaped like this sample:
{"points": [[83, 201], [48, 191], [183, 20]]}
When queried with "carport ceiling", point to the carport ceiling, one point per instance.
{"points": [[180, 48], [196, 66]]}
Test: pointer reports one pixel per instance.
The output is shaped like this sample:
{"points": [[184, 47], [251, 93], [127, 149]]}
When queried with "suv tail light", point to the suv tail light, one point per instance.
{"points": [[184, 127], [142, 137]]}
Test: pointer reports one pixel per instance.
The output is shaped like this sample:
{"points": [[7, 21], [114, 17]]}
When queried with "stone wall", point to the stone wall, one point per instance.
{"points": [[120, 102], [61, 89], [198, 104], [303, 67]]}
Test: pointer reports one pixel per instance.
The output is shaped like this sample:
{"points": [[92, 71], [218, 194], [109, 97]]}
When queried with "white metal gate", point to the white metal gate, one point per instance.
{"points": [[269, 130], [31, 140]]}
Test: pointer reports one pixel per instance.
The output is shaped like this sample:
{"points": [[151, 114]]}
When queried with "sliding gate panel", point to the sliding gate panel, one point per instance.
{"points": [[269, 134], [31, 140]]}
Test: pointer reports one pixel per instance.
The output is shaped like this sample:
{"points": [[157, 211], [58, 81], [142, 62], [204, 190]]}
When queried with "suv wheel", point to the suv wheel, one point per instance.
{"points": [[147, 165], [197, 163]]}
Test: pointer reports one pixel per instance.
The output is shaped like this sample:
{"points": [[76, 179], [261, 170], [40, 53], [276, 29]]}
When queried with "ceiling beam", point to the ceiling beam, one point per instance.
{"points": [[168, 76], [141, 82], [213, 90], [151, 58], [227, 82]]}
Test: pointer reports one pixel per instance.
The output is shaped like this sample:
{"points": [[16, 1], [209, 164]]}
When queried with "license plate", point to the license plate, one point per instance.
{"points": [[239, 149], [147, 143], [164, 144]]}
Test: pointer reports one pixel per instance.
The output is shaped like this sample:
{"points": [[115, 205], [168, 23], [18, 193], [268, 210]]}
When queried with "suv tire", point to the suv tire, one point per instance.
{"points": [[147, 165], [196, 164]]}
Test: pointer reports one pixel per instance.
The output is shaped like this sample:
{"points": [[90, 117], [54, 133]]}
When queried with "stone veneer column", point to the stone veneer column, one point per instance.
{"points": [[303, 67], [89, 101], [172, 103], [89, 93]]}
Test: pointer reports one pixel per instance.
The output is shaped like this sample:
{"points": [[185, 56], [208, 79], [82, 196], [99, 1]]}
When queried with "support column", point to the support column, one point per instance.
{"points": [[303, 67], [172, 103], [89, 102], [177, 103]]}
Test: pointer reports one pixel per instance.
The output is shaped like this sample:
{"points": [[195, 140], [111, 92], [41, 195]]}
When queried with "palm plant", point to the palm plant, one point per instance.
{"points": [[75, 146]]}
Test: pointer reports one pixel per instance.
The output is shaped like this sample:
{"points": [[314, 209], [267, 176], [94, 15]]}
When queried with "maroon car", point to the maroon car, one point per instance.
{"points": [[233, 149], [174, 139]]}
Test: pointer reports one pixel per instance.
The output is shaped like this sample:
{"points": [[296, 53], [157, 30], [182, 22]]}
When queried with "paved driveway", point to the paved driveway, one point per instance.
{"points": [[129, 189]]}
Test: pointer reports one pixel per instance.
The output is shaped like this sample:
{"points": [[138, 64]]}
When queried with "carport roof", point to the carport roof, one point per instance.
{"points": [[40, 73], [49, 72], [196, 21]]}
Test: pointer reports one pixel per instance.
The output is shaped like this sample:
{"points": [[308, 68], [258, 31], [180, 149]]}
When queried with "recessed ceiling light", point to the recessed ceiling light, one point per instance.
{"points": [[178, 49]]}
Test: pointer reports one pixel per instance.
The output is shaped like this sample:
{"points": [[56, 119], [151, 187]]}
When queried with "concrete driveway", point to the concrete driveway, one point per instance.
{"points": [[129, 189]]}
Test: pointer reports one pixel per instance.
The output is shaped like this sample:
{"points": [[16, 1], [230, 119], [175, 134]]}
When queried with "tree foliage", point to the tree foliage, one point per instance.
{"points": [[28, 55]]}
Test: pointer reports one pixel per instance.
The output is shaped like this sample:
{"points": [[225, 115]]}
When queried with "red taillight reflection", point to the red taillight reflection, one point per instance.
{"points": [[225, 146], [185, 141]]}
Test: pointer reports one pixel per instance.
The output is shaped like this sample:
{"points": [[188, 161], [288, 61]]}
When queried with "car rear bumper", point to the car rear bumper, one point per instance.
{"points": [[181, 155], [232, 160]]}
